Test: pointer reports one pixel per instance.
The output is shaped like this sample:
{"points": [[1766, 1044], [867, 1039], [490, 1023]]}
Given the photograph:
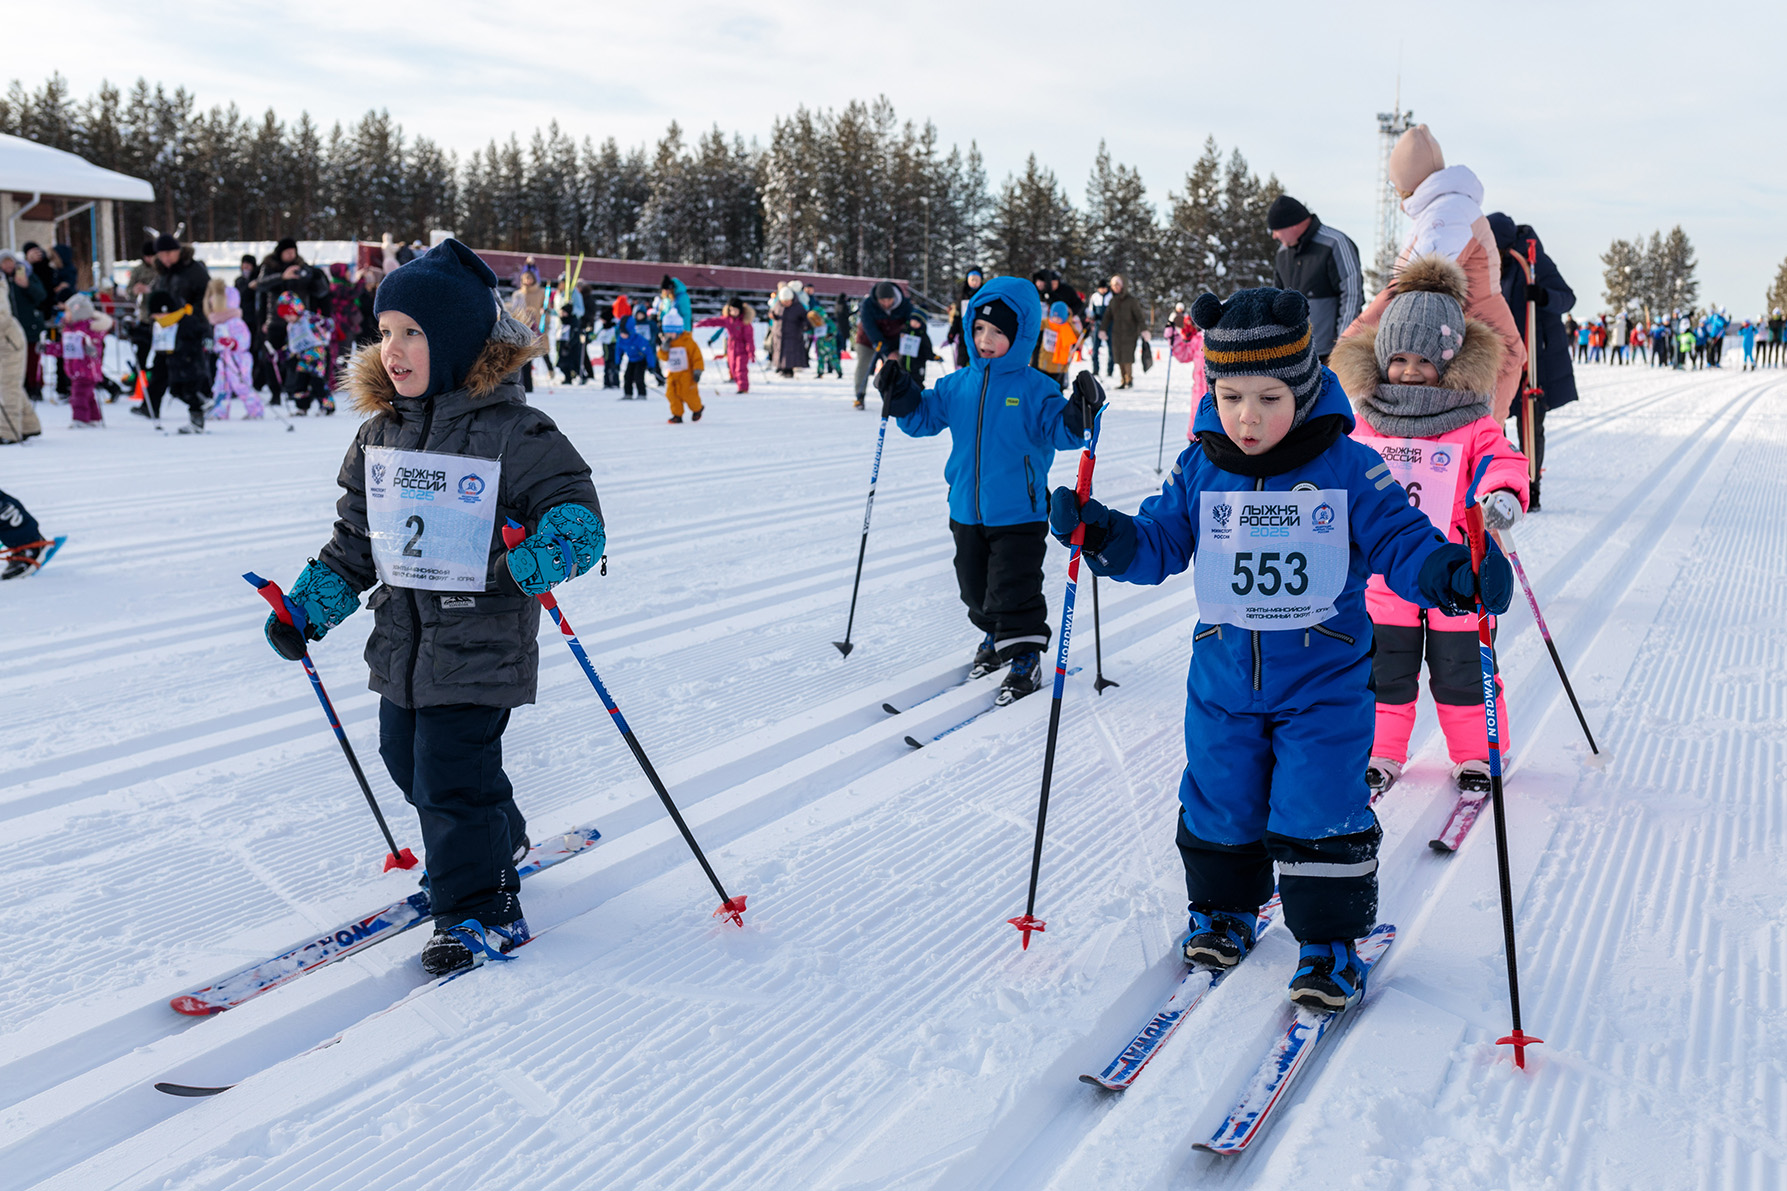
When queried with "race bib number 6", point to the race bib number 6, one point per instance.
{"points": [[1271, 560], [431, 517]]}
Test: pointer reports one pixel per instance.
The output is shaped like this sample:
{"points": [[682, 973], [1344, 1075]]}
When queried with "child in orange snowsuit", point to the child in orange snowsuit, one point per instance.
{"points": [[683, 365], [1054, 351]]}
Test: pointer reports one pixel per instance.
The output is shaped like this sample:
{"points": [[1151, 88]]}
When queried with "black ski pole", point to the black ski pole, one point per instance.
{"points": [[288, 613], [1544, 631], [1473, 515], [730, 907], [844, 646], [1099, 681]]}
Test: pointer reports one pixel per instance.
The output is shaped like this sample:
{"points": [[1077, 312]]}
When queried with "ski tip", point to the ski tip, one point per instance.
{"points": [[405, 859], [1441, 846], [844, 647], [182, 1089], [734, 909], [890, 709], [915, 742], [1097, 1082], [192, 1006]]}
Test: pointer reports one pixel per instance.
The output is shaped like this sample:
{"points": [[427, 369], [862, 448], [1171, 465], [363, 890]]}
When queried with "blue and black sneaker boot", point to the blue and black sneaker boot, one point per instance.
{"points": [[986, 659], [1218, 940], [1329, 976], [469, 944], [1024, 678]]}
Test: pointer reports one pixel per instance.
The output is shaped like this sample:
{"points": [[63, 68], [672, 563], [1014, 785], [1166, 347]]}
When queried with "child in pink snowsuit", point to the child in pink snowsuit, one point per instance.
{"points": [[229, 339], [81, 350], [1423, 382], [1186, 342], [741, 340]]}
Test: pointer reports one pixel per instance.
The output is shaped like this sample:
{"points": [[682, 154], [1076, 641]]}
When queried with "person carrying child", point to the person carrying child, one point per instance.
{"points": [[453, 648], [307, 356], [1006, 421], [230, 340], [1055, 352], [735, 318], [1423, 384], [682, 362], [81, 348], [1284, 517]]}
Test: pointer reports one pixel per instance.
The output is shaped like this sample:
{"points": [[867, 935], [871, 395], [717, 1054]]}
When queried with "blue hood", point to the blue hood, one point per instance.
{"points": [[1020, 295], [1331, 400]]}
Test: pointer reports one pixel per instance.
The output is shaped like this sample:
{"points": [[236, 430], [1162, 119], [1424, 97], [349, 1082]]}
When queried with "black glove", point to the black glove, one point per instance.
{"points": [[1109, 543], [285, 639], [900, 395], [1536, 294], [1083, 406], [1451, 586]]}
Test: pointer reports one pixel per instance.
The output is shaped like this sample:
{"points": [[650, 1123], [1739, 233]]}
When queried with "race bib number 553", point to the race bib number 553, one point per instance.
{"points": [[1271, 560], [431, 516]]}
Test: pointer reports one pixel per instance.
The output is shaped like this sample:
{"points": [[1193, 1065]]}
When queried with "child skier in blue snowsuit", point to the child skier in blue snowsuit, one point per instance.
{"points": [[1006, 421], [1286, 518]]}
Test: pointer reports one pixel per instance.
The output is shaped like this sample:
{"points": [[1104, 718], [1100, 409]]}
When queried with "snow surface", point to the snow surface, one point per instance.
{"points": [[176, 806]]}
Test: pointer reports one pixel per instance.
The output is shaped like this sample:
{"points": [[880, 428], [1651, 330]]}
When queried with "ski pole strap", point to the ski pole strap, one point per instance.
{"points": [[471, 933], [1470, 497], [283, 608]]}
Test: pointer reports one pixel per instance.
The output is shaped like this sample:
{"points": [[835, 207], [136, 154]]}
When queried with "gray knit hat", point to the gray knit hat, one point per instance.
{"points": [[1426, 317], [1261, 332]]}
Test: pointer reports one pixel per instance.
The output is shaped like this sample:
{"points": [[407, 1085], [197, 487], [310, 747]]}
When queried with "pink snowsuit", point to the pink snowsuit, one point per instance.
{"points": [[741, 347], [1187, 344], [80, 351], [235, 370]]}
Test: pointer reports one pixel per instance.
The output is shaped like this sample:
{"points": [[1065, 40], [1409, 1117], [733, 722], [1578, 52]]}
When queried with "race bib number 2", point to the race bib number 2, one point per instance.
{"points": [[1271, 560], [431, 517]]}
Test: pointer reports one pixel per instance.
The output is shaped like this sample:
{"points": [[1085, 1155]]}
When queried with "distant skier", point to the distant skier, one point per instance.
{"points": [[633, 346], [1286, 518], [683, 365], [450, 450], [1422, 384], [736, 319], [1006, 421]]}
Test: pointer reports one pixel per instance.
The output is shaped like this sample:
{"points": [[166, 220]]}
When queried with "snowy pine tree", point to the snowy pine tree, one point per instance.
{"points": [[1034, 226], [1121, 234]]}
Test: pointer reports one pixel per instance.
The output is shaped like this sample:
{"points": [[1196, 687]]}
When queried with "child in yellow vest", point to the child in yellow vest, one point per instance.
{"points": [[683, 364]]}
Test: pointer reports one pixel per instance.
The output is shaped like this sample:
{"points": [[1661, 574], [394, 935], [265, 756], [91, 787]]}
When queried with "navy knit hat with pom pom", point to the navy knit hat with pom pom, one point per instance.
{"points": [[1261, 332]]}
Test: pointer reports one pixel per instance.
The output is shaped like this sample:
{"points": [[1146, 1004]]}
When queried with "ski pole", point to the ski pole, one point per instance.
{"points": [[730, 907], [1530, 393], [1507, 540], [1160, 451], [1473, 514], [1028, 921], [844, 646], [1099, 681], [292, 614]]}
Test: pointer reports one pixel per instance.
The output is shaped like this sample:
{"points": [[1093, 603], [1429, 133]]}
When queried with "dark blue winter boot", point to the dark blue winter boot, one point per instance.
{"points": [[986, 659], [1024, 678], [1329, 976], [1218, 940]]}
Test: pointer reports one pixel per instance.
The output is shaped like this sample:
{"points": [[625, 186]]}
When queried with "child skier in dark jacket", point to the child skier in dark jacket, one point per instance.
{"points": [[1286, 518], [451, 450], [1006, 421]]}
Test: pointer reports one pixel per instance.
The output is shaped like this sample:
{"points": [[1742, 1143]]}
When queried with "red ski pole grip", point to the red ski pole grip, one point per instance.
{"points": [[282, 607], [514, 533]]}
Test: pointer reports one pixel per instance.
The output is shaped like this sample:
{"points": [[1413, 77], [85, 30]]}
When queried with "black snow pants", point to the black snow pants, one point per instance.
{"points": [[1329, 885], [999, 573], [448, 761]]}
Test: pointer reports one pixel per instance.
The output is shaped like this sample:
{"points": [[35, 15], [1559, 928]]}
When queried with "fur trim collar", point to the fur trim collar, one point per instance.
{"points": [[371, 391]]}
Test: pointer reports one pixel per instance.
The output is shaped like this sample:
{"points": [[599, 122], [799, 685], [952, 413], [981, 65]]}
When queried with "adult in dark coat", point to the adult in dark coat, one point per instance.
{"points": [[183, 280], [1124, 322], [1552, 298], [25, 291], [880, 321], [1051, 289], [791, 344], [284, 270], [957, 337]]}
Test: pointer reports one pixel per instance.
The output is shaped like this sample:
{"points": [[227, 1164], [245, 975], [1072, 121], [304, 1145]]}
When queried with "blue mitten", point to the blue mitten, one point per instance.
{"points": [[1450, 585], [568, 542], [325, 599], [1109, 544]]}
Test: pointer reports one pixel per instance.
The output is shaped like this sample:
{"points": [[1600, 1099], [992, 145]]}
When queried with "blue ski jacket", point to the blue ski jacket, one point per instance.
{"points": [[630, 342], [1280, 671], [1004, 419]]}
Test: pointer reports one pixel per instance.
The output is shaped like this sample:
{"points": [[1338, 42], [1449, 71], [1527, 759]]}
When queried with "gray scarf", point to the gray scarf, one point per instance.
{"points": [[1421, 411]]}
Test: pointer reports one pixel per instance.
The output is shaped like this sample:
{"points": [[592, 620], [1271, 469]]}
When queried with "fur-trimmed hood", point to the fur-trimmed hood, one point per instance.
{"points": [[371, 391], [1473, 369]]}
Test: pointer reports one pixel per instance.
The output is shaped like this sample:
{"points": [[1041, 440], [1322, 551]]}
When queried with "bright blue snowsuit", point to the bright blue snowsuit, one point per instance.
{"points": [[1006, 421], [1279, 724]]}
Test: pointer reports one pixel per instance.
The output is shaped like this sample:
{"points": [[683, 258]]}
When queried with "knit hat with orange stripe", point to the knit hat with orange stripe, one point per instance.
{"points": [[1261, 332]]}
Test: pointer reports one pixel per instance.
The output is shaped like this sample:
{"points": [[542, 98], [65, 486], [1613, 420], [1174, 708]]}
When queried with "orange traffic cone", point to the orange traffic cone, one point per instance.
{"points": [[137, 395]]}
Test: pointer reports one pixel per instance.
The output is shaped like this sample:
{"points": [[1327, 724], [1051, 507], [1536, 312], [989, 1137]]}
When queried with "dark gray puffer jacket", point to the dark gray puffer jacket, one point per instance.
{"points": [[430, 648]]}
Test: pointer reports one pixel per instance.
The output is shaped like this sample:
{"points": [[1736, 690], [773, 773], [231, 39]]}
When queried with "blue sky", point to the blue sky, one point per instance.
{"points": [[1588, 120]]}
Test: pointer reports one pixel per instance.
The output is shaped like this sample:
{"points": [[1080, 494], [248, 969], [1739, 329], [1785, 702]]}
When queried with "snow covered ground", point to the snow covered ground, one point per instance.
{"points": [[175, 806]]}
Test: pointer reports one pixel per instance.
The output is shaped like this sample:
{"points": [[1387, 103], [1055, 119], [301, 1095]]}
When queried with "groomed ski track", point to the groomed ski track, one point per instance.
{"points": [[175, 807]]}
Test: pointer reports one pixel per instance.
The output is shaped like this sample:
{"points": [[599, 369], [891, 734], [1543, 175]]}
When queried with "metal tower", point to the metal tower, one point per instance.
{"points": [[1390, 126]]}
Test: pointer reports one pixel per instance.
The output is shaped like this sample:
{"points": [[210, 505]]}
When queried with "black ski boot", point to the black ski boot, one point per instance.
{"points": [[1024, 678], [23, 562], [1329, 976], [469, 944], [523, 848], [986, 659], [1218, 940], [1472, 779], [195, 420], [1380, 775]]}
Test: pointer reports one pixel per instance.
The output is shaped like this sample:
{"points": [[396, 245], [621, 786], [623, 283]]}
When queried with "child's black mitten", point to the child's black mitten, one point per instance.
{"points": [[900, 394], [1109, 543], [1083, 406], [1451, 586]]}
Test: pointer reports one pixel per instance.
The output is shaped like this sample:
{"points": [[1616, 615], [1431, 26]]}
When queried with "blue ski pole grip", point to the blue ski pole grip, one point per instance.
{"points": [[1470, 498], [283, 608]]}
